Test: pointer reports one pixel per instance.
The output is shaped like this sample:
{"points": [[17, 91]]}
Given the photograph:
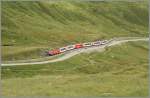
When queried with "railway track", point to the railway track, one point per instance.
{"points": [[67, 55]]}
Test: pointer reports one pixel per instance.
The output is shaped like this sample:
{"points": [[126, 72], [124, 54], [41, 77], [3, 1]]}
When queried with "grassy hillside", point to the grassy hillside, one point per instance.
{"points": [[40, 26], [30, 28], [11, 53], [64, 22], [119, 71]]}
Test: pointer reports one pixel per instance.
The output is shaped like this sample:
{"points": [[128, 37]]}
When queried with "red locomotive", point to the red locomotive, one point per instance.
{"points": [[54, 52]]}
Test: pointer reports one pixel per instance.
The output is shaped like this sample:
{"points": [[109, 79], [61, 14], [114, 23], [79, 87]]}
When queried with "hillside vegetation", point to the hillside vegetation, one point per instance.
{"points": [[64, 22], [119, 71], [33, 27]]}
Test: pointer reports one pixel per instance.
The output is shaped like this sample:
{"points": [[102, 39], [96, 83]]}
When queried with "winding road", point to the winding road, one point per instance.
{"points": [[114, 41]]}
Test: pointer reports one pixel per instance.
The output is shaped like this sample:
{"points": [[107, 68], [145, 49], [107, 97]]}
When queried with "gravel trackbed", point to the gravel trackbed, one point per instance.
{"points": [[114, 41]]}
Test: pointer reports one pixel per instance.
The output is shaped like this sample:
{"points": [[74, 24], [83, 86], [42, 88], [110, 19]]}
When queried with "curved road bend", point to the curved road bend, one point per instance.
{"points": [[114, 41]]}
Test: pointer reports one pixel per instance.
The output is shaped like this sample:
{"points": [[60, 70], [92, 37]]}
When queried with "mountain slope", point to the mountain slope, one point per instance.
{"points": [[118, 71], [29, 28], [64, 22]]}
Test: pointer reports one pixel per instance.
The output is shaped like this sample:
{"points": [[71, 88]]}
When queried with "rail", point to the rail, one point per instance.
{"points": [[55, 57]]}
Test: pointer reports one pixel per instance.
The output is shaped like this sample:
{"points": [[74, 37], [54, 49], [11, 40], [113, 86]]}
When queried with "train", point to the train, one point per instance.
{"points": [[76, 46]]}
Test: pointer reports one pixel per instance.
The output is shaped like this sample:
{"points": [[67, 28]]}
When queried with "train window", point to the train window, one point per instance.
{"points": [[62, 49], [96, 43], [103, 42], [70, 47], [87, 44]]}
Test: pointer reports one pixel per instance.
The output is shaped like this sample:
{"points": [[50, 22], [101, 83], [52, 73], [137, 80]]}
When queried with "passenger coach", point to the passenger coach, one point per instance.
{"points": [[76, 46]]}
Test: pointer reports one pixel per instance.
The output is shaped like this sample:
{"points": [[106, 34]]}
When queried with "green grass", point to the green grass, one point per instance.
{"points": [[111, 59], [57, 24], [61, 23], [119, 71], [77, 85], [30, 28], [11, 53]]}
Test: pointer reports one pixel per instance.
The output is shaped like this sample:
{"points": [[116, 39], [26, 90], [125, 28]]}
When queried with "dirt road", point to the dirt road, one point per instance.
{"points": [[114, 41]]}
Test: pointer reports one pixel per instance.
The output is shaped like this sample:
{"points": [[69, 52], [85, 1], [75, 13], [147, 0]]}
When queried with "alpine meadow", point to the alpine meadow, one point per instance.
{"points": [[32, 28]]}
